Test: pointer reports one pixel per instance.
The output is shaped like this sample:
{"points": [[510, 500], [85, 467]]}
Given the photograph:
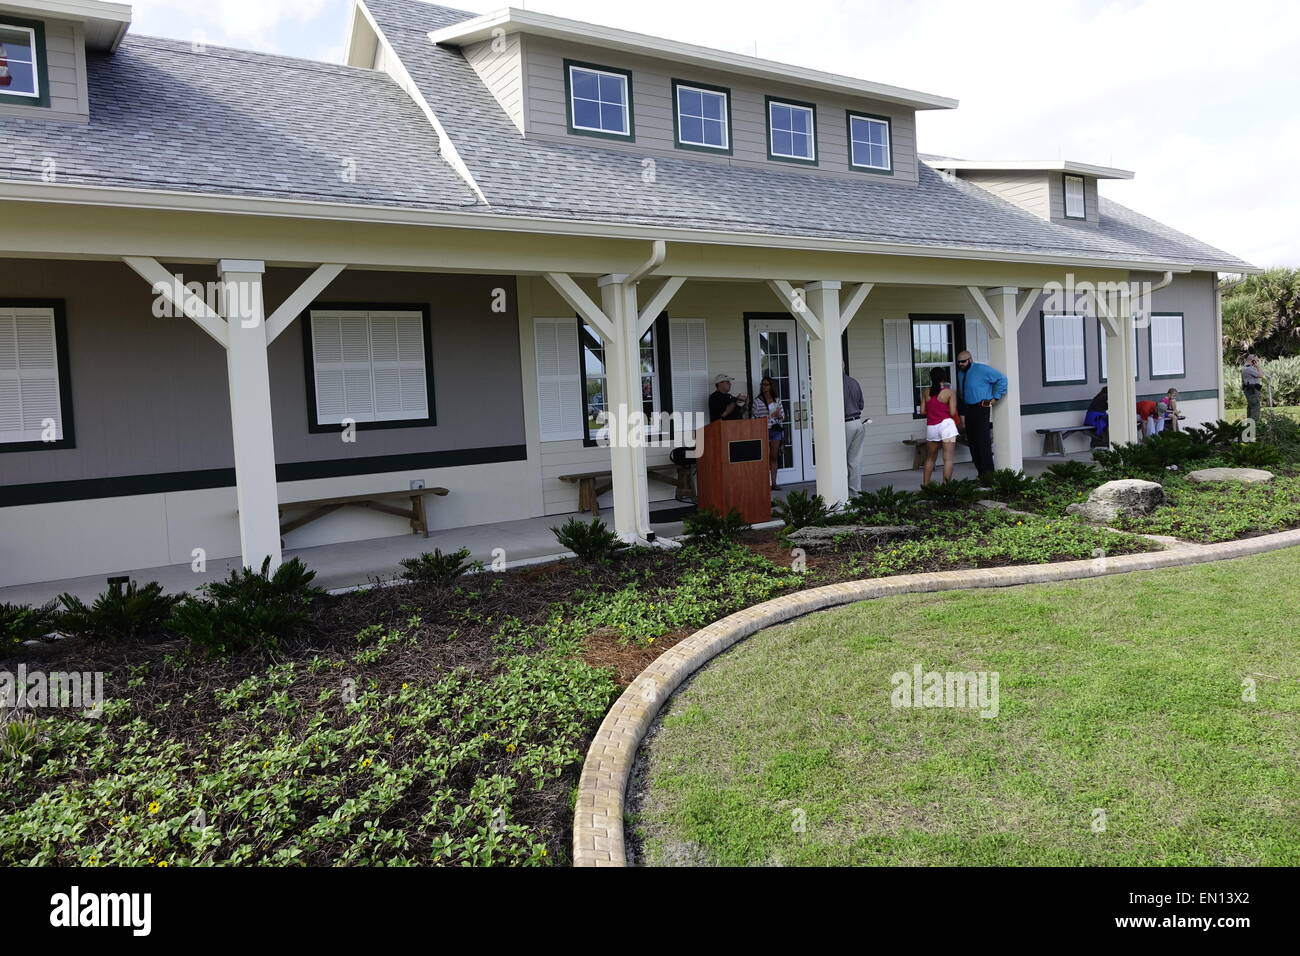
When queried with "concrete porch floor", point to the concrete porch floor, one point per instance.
{"points": [[351, 563]]}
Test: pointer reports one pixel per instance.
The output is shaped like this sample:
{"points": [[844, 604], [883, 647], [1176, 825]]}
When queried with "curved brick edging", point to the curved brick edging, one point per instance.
{"points": [[598, 820]]}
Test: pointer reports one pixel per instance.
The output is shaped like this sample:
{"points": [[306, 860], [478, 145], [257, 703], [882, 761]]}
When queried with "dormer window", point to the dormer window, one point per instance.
{"points": [[600, 100], [703, 117], [1075, 205], [22, 63], [869, 147], [791, 131]]}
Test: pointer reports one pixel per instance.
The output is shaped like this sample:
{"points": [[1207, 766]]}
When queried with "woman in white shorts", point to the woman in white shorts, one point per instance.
{"points": [[940, 425]]}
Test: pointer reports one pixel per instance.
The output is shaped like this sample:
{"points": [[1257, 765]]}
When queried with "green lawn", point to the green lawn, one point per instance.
{"points": [[1290, 411], [1121, 694]]}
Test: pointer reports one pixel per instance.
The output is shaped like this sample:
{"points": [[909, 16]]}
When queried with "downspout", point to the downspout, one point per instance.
{"points": [[658, 253]]}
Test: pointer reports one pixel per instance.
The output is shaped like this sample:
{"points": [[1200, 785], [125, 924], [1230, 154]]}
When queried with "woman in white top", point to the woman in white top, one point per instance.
{"points": [[767, 404]]}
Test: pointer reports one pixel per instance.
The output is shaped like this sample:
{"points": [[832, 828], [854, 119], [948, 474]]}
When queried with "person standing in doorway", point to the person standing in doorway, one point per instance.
{"points": [[1252, 383], [854, 430], [979, 388], [768, 405], [940, 425]]}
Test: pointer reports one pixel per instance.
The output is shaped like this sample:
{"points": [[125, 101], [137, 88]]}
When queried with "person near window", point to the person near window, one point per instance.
{"points": [[979, 387], [855, 431], [940, 425], [768, 405], [722, 404], [1169, 415], [1098, 418], [1252, 383]]}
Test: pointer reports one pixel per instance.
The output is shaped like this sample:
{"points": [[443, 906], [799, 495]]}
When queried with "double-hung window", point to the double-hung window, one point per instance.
{"points": [[869, 143], [1076, 206], [1065, 360], [33, 378], [600, 100], [1166, 350], [792, 131], [703, 117], [369, 366], [23, 73]]}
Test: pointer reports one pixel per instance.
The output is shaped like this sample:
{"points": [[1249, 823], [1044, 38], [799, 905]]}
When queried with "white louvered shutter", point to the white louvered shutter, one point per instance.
{"points": [[370, 367], [559, 381], [1167, 345], [898, 367], [1105, 361], [29, 375], [977, 341], [1063, 349], [689, 349]]}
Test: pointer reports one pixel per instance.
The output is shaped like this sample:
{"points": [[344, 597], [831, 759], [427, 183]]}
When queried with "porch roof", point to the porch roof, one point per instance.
{"points": [[230, 123]]}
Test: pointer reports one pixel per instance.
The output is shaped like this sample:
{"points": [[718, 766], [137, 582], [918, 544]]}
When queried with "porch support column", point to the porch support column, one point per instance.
{"points": [[1004, 352], [827, 368], [623, 380], [1120, 385], [250, 410]]}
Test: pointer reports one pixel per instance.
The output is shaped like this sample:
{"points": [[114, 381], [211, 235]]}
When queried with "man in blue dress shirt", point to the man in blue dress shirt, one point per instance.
{"points": [[979, 387]]}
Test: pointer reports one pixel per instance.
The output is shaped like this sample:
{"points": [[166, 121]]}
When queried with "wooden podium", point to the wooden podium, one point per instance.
{"points": [[732, 469]]}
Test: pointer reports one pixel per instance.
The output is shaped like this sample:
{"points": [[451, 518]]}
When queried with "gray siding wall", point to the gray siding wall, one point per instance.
{"points": [[1056, 186], [65, 50], [1192, 295], [502, 73], [1029, 191], [150, 395], [547, 112]]}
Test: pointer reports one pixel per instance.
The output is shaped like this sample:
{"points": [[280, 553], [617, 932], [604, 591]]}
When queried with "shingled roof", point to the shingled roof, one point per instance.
{"points": [[165, 116]]}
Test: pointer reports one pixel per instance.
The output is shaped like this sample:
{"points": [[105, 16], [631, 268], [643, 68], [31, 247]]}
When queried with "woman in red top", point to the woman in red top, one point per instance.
{"points": [[940, 425]]}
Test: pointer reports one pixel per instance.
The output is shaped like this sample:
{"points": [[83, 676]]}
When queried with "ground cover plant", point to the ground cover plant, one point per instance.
{"points": [[1122, 736]]}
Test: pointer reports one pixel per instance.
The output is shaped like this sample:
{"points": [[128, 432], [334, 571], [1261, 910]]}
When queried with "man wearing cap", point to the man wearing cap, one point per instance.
{"points": [[722, 404], [1252, 383]]}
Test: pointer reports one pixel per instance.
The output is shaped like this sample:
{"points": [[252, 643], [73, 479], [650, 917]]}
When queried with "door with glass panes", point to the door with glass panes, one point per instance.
{"points": [[778, 349]]}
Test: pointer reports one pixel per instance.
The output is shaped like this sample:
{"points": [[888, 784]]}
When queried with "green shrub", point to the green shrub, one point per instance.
{"points": [[1006, 483], [802, 510], [20, 741], [883, 501], [1157, 454], [120, 613], [1281, 431], [953, 494], [1073, 472], [1224, 432], [22, 622], [438, 569], [1254, 455], [249, 610], [591, 541], [708, 526]]}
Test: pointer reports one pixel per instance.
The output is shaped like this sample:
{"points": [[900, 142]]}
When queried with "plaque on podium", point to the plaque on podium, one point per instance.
{"points": [[732, 470]]}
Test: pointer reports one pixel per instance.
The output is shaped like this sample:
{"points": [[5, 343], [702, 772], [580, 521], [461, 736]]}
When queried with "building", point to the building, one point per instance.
{"points": [[230, 280]]}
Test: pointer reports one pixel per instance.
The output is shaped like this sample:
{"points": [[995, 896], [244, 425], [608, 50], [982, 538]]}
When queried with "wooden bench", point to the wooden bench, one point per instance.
{"points": [[374, 500], [1054, 438], [589, 491], [918, 449]]}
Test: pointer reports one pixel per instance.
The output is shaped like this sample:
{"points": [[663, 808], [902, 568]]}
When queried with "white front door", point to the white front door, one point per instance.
{"points": [[778, 349]]}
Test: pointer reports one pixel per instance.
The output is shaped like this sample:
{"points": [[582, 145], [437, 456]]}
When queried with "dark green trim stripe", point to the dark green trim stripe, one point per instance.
{"points": [[1047, 408], [85, 489]]}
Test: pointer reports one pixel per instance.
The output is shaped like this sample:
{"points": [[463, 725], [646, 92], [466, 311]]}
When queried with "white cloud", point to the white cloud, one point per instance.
{"points": [[1197, 98]]}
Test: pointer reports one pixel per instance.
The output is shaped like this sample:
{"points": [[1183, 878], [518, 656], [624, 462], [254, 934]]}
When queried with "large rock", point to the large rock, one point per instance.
{"points": [[1249, 476], [848, 536], [1129, 497]]}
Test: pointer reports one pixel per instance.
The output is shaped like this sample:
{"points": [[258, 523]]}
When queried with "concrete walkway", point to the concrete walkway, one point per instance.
{"points": [[358, 562]]}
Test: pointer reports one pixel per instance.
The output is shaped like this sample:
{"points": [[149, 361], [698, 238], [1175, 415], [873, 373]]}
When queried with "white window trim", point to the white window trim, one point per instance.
{"points": [[12, 380], [1082, 350], [726, 117], [1083, 196], [35, 63], [889, 144], [627, 99], [812, 131], [375, 415]]}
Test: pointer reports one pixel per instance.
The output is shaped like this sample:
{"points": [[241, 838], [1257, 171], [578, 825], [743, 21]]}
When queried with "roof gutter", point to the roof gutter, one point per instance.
{"points": [[175, 201]]}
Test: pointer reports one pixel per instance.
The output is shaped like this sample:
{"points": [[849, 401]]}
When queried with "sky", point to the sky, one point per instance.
{"points": [[1200, 99]]}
